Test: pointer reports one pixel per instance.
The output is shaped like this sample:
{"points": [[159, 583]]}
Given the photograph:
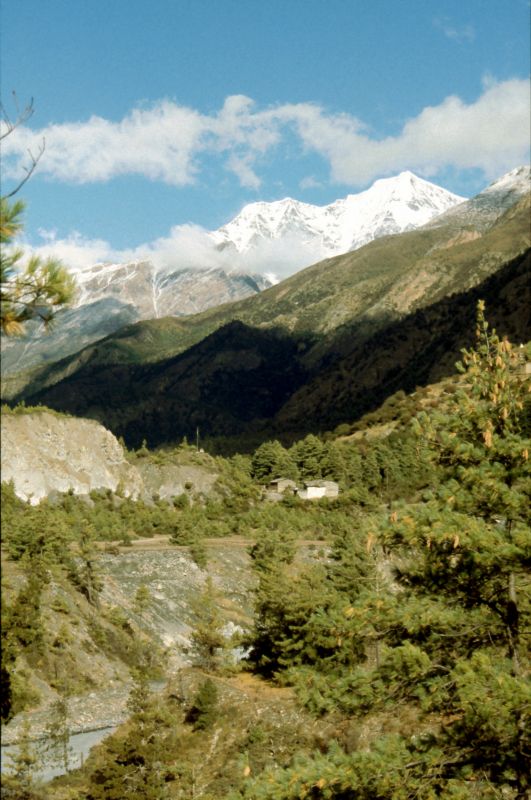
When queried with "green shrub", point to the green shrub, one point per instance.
{"points": [[204, 709]]}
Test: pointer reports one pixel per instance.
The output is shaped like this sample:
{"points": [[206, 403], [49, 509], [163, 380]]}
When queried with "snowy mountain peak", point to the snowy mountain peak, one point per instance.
{"points": [[407, 185], [155, 293], [517, 181], [390, 205], [487, 206], [404, 181]]}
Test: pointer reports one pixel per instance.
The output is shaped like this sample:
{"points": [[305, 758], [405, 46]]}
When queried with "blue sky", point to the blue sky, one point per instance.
{"points": [[158, 114]]}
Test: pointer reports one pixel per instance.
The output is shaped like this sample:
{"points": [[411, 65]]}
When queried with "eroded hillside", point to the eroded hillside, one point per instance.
{"points": [[44, 452]]}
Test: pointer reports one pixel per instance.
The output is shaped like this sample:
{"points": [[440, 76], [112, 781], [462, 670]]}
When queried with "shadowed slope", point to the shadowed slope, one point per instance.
{"points": [[243, 380]]}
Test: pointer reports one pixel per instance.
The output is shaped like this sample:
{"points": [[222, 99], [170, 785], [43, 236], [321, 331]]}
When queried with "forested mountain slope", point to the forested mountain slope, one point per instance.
{"points": [[385, 654], [312, 352], [257, 383]]}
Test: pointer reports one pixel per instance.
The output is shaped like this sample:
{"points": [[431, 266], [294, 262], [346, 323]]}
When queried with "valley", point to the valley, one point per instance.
{"points": [[231, 263], [265, 338], [166, 582], [246, 647], [391, 315]]}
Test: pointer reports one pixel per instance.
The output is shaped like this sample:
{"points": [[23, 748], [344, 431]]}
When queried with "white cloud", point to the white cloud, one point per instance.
{"points": [[76, 251], [310, 183], [460, 34], [171, 143], [159, 143], [491, 134], [168, 143], [185, 246], [243, 171]]}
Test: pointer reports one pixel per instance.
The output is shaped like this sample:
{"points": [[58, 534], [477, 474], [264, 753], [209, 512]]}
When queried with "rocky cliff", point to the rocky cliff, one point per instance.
{"points": [[44, 452]]}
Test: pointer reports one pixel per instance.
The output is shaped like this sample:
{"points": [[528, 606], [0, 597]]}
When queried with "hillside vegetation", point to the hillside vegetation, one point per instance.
{"points": [[323, 347], [240, 385], [388, 658]]}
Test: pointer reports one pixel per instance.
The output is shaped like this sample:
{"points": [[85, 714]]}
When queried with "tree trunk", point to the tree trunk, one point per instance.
{"points": [[512, 624]]}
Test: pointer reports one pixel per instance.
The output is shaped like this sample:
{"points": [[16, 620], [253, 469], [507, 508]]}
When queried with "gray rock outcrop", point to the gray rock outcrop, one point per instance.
{"points": [[43, 452]]}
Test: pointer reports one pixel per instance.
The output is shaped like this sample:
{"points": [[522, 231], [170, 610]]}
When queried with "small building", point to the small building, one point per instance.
{"points": [[314, 490], [282, 485]]}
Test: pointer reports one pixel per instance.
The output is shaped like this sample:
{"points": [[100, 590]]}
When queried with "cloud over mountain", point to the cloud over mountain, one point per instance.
{"points": [[187, 246], [174, 144], [273, 239]]}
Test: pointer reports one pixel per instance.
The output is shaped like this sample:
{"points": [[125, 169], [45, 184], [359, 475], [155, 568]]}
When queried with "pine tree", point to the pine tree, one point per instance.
{"points": [[22, 631], [300, 620], [480, 443], [271, 460], [351, 566], [310, 457], [464, 565], [23, 620], [58, 732], [143, 598], [87, 575], [371, 472], [35, 291], [272, 547], [22, 767], [338, 465], [203, 711], [208, 642], [133, 767]]}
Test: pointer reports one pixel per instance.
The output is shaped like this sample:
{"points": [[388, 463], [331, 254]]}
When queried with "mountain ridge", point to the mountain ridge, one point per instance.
{"points": [[483, 209], [267, 364], [138, 290], [390, 205], [116, 295], [252, 384]]}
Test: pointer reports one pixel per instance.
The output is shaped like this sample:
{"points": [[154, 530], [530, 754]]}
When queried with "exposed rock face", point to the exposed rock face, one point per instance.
{"points": [[486, 207], [111, 296], [168, 480], [44, 452]]}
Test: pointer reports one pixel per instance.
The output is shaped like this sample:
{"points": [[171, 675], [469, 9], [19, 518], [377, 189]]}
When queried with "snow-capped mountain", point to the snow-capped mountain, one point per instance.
{"points": [[391, 205], [483, 209], [265, 239], [111, 296], [515, 182], [156, 293]]}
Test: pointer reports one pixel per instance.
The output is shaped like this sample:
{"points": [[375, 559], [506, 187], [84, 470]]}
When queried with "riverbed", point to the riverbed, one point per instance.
{"points": [[93, 717], [79, 748]]}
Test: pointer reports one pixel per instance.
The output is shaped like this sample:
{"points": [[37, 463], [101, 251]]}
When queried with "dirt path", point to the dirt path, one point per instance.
{"points": [[162, 542]]}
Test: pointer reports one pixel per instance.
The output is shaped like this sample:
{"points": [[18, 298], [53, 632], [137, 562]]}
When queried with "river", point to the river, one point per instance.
{"points": [[79, 746], [80, 742]]}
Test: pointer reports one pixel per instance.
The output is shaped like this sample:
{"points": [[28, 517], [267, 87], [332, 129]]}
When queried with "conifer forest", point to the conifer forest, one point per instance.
{"points": [[385, 652]]}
